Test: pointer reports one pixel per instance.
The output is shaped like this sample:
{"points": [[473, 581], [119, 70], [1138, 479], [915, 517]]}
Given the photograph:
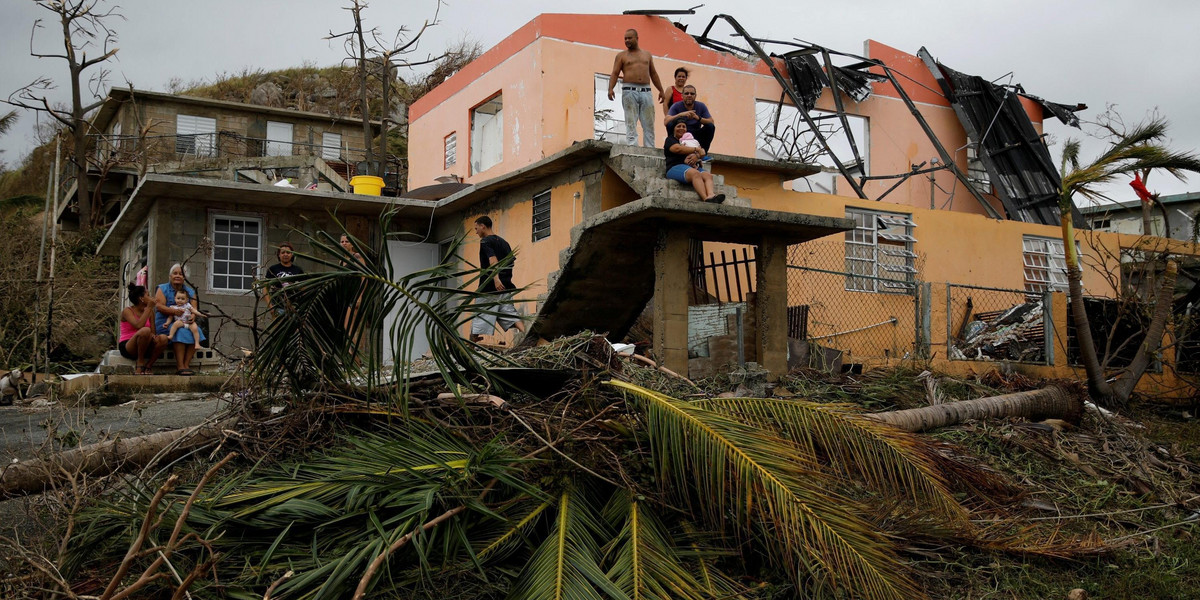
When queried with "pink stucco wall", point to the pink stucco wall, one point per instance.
{"points": [[546, 72]]}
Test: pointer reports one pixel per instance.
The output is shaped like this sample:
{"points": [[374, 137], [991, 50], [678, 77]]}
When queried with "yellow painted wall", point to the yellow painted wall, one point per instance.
{"points": [[535, 260]]}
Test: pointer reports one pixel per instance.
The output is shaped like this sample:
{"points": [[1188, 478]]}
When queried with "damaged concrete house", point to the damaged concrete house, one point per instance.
{"points": [[880, 207], [177, 170], [895, 209]]}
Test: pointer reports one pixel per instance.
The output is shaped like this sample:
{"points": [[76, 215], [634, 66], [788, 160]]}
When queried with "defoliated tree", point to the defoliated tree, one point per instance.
{"points": [[84, 27], [375, 56]]}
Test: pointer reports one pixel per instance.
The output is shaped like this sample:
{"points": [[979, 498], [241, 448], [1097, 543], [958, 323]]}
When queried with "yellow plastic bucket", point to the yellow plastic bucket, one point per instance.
{"points": [[367, 185]]}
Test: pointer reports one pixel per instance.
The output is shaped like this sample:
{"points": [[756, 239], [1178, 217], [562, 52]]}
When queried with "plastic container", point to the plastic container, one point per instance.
{"points": [[367, 185]]}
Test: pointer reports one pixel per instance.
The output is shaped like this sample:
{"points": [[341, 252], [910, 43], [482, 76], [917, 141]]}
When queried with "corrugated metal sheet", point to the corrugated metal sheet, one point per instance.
{"points": [[1017, 160]]}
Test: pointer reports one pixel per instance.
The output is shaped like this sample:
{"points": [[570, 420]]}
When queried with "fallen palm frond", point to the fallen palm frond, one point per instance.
{"points": [[644, 564], [896, 465], [566, 566], [357, 321], [762, 481]]}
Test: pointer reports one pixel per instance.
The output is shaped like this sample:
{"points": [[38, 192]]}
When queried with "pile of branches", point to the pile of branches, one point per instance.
{"points": [[625, 481]]}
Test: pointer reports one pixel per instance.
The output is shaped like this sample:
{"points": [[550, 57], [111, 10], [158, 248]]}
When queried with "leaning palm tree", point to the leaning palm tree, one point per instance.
{"points": [[1139, 150]]}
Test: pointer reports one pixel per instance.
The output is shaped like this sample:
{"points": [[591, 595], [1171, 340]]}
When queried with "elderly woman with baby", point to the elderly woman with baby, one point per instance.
{"points": [[173, 312]]}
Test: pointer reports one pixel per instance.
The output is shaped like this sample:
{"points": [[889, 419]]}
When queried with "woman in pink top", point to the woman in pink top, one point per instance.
{"points": [[138, 341]]}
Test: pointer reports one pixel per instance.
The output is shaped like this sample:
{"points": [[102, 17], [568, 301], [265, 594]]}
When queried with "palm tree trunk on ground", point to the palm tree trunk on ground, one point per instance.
{"points": [[1047, 403], [38, 475]]}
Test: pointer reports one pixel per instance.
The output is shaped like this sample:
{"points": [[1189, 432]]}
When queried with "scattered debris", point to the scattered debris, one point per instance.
{"points": [[1016, 334]]}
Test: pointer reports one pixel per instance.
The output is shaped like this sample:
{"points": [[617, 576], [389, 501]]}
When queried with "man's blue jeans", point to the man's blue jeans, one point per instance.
{"points": [[638, 102]]}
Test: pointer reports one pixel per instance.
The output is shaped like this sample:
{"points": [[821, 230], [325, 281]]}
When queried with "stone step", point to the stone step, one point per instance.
{"points": [[205, 360]]}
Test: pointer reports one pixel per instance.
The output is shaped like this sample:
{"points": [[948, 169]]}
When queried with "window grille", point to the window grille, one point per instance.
{"points": [[237, 242], [976, 172], [195, 135], [451, 150], [331, 146], [879, 252], [1045, 265], [541, 216]]}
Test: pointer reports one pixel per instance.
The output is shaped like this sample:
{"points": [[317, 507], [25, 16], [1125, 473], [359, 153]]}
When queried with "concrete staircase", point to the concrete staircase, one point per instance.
{"points": [[607, 275], [643, 170]]}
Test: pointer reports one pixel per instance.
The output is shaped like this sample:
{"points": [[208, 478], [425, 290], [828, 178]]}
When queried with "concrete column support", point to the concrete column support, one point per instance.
{"points": [[770, 308], [671, 282]]}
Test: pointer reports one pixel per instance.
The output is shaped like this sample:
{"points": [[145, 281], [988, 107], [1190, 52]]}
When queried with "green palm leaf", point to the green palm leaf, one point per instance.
{"points": [[7, 121], [1138, 150], [893, 463], [329, 516], [500, 545], [642, 561], [758, 478], [333, 329], [566, 566]]}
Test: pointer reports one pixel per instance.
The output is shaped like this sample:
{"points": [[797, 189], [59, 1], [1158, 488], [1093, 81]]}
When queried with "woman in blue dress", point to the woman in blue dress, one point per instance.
{"points": [[183, 344]]}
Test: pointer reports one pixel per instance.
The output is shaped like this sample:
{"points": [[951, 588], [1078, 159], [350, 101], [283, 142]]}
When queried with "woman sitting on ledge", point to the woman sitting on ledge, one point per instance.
{"points": [[683, 164], [138, 342], [183, 344]]}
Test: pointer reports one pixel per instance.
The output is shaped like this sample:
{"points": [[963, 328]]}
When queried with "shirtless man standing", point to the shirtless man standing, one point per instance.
{"points": [[636, 69]]}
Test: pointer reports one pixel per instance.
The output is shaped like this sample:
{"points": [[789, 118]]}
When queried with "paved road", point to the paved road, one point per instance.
{"points": [[24, 429]]}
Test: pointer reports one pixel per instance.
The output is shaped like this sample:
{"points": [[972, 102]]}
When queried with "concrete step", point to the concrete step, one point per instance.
{"points": [[205, 360]]}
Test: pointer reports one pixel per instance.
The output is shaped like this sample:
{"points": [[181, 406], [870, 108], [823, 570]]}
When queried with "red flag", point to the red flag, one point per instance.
{"points": [[1140, 188]]}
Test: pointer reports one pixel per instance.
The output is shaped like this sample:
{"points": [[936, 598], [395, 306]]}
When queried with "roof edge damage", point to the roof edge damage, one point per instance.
{"points": [[1013, 152]]}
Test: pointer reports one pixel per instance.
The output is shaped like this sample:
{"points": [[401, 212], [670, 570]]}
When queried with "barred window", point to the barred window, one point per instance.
{"points": [[879, 252], [237, 244], [1045, 265], [541, 216]]}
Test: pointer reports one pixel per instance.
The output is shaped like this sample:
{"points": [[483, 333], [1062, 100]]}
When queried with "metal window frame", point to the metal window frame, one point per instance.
{"points": [[326, 147], [212, 261], [450, 150], [1044, 263], [541, 216], [193, 137], [472, 141], [869, 232]]}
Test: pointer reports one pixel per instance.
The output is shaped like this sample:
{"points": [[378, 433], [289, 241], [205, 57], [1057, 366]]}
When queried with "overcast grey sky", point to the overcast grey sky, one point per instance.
{"points": [[1138, 56]]}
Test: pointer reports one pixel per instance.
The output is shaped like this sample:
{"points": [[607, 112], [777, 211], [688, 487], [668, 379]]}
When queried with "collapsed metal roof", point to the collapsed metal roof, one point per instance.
{"points": [[1017, 160], [1011, 150]]}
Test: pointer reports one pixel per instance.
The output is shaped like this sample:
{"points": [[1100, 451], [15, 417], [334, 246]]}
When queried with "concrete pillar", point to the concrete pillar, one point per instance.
{"points": [[671, 300], [770, 307]]}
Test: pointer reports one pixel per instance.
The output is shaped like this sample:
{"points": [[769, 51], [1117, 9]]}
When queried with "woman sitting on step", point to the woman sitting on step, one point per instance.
{"points": [[138, 341], [683, 163]]}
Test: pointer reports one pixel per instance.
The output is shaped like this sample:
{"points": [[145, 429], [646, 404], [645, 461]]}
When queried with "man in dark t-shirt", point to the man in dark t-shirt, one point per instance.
{"points": [[699, 120], [286, 267], [493, 249]]}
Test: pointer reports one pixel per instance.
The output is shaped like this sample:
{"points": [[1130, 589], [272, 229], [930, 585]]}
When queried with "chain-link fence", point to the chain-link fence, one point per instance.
{"points": [[853, 315], [984, 323]]}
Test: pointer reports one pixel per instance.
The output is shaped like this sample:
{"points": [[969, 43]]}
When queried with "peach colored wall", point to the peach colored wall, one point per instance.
{"points": [[535, 260], [519, 81], [981, 251], [547, 68]]}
